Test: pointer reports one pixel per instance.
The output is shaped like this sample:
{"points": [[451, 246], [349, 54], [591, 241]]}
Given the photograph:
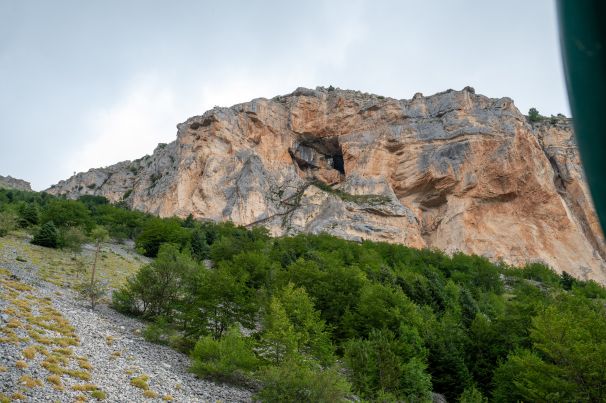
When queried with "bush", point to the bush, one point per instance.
{"points": [[47, 235], [71, 238], [231, 358], [295, 382], [8, 222], [386, 364], [67, 213], [30, 215], [157, 288], [157, 232], [534, 115], [159, 332]]}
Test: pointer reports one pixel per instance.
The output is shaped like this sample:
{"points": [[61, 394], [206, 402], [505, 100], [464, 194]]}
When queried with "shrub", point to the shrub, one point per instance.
{"points": [[534, 115], [8, 222], [46, 236], [157, 232], [71, 238], [30, 215], [295, 382], [386, 364], [67, 213], [158, 332], [157, 288], [229, 358]]}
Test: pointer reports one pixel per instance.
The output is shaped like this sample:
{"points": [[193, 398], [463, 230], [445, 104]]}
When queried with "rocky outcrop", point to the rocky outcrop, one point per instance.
{"points": [[454, 171], [8, 182]]}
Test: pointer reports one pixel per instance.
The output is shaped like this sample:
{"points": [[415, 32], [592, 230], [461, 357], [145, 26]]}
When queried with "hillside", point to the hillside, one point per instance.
{"points": [[8, 182], [453, 171], [293, 318]]}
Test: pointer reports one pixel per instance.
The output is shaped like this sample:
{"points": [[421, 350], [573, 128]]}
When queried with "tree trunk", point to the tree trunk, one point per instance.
{"points": [[92, 277]]}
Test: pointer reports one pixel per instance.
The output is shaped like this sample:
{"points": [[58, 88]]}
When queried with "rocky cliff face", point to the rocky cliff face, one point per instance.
{"points": [[454, 171], [8, 182]]}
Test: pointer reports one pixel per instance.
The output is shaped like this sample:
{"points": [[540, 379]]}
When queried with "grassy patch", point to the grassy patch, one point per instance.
{"points": [[29, 382], [150, 394], [99, 394], [348, 197], [140, 382]]}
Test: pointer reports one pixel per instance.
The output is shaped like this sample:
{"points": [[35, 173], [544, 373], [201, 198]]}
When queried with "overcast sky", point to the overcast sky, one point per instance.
{"points": [[89, 83]]}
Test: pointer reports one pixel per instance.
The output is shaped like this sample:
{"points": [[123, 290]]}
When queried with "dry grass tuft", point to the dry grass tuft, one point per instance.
{"points": [[150, 394], [29, 352], [21, 364], [140, 382], [29, 382]]}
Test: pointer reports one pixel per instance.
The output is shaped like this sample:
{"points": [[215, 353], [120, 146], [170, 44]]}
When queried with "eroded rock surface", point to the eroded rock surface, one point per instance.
{"points": [[454, 171], [8, 182]]}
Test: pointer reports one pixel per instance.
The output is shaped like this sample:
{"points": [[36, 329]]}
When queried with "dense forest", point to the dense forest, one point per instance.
{"points": [[318, 318]]}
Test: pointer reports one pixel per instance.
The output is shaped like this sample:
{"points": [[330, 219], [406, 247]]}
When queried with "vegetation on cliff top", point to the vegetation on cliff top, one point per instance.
{"points": [[315, 318]]}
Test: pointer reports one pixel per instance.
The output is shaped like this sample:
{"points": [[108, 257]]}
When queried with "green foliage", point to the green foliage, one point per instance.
{"points": [[231, 358], [158, 287], [567, 358], [294, 382], [8, 222], [405, 321], [567, 281], [47, 235], [71, 238], [199, 245], [30, 215], [534, 115], [279, 339], [156, 232], [472, 395], [67, 213], [386, 364]]}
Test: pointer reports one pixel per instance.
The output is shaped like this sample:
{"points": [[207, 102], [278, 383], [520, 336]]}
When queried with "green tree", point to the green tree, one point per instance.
{"points": [[293, 381], [230, 358], [8, 222], [46, 236], [71, 238], [94, 291], [312, 337], [158, 288], [156, 232], [67, 213], [472, 395], [199, 247], [278, 339], [534, 115], [385, 364], [568, 357], [30, 215], [189, 222]]}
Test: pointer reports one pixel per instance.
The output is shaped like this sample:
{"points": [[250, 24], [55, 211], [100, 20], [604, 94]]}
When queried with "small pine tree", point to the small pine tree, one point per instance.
{"points": [[566, 280], [30, 215], [189, 222], [46, 236], [199, 247]]}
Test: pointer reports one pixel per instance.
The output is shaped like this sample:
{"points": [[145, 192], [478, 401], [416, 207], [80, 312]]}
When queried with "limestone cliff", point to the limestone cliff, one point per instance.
{"points": [[454, 171], [8, 182]]}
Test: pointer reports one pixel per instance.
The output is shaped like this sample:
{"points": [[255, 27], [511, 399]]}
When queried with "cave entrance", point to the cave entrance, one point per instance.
{"points": [[320, 158]]}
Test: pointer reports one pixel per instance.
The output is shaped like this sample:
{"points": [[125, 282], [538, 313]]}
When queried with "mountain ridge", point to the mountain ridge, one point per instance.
{"points": [[455, 171]]}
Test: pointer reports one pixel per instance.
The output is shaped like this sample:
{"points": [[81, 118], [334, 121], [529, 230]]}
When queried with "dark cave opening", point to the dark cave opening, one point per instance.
{"points": [[338, 163], [318, 153]]}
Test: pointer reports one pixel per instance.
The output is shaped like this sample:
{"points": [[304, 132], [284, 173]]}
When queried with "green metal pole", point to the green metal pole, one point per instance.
{"points": [[583, 42]]}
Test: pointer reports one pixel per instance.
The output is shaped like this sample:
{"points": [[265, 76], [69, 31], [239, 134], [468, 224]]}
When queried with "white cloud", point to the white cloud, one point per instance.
{"points": [[143, 117]]}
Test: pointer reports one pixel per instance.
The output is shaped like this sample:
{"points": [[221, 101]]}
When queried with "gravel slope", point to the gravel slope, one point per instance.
{"points": [[112, 344]]}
